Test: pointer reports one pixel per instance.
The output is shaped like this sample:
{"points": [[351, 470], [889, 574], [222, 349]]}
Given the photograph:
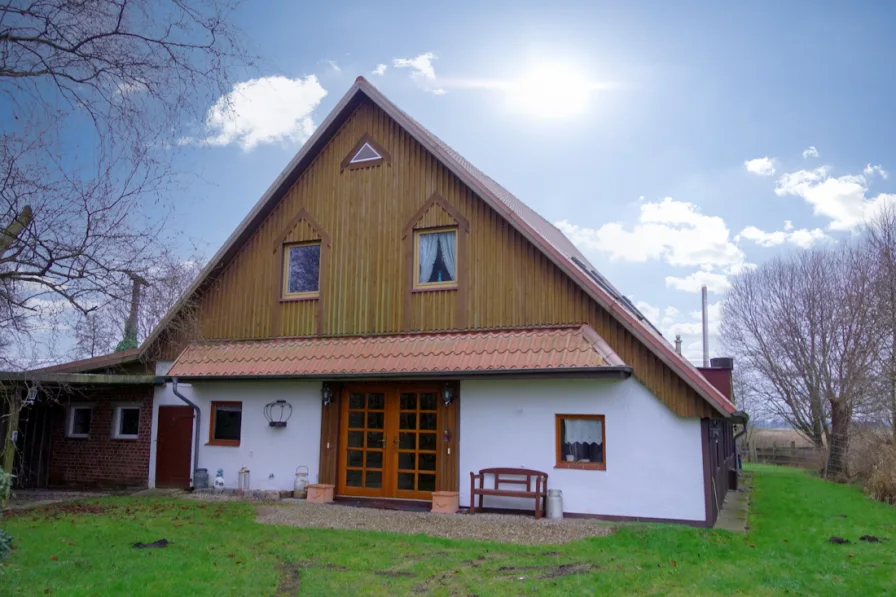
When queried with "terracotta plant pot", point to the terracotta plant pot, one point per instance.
{"points": [[445, 502], [320, 493]]}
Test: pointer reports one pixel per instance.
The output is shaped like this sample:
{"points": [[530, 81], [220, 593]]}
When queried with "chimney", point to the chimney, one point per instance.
{"points": [[705, 327], [678, 343], [719, 375], [130, 326]]}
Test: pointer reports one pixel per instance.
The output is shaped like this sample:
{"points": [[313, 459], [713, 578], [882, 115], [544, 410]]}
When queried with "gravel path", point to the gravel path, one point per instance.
{"points": [[484, 527]]}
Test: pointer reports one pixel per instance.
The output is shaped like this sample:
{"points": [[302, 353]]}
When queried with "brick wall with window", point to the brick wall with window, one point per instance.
{"points": [[93, 439]]}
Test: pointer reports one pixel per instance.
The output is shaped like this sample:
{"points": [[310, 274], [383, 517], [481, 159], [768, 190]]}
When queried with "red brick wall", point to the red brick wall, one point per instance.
{"points": [[100, 460]]}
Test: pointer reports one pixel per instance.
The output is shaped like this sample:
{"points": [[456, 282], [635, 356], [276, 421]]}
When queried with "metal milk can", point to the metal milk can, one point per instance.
{"points": [[555, 504], [300, 488]]}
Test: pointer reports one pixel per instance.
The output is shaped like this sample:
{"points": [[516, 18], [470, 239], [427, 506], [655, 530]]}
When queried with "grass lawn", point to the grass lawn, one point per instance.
{"points": [[218, 549]]}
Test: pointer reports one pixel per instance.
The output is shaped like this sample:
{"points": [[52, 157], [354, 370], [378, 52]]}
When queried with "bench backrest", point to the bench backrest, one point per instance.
{"points": [[501, 474]]}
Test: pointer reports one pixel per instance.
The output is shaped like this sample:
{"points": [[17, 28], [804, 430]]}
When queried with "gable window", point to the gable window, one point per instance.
{"points": [[365, 154], [581, 442], [78, 421], [126, 421], [435, 258], [226, 424], [301, 270]]}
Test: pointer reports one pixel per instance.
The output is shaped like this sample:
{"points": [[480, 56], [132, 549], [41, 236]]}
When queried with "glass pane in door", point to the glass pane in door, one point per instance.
{"points": [[417, 432], [366, 440]]}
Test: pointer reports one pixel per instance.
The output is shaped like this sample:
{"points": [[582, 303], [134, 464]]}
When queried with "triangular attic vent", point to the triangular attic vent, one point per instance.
{"points": [[365, 154]]}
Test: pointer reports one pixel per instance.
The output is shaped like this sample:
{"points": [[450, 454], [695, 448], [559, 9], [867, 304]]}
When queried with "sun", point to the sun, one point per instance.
{"points": [[551, 91]]}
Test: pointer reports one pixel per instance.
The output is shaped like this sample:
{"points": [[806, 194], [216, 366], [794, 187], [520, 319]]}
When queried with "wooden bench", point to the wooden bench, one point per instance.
{"points": [[510, 476]]}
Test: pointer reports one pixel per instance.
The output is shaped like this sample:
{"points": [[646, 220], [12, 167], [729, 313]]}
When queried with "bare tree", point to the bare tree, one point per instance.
{"points": [[881, 242], [95, 92], [101, 330], [805, 329]]}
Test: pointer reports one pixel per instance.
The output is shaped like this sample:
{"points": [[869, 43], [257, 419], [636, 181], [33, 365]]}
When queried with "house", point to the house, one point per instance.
{"points": [[392, 318]]}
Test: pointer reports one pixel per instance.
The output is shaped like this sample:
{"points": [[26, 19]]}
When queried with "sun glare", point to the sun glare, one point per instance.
{"points": [[551, 91]]}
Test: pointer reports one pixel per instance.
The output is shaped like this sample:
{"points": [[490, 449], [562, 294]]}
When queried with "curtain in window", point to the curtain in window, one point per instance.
{"points": [[446, 243], [429, 248], [585, 431]]}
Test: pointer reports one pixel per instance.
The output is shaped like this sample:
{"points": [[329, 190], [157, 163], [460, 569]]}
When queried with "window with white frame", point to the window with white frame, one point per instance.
{"points": [[126, 421], [78, 421]]}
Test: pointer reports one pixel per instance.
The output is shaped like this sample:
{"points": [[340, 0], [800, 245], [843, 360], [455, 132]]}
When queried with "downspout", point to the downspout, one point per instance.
{"points": [[197, 426]]}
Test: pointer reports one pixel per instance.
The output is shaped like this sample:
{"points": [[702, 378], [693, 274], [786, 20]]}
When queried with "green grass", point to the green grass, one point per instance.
{"points": [[218, 549]]}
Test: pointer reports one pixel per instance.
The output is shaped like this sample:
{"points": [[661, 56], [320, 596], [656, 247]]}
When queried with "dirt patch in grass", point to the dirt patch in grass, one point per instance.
{"points": [[290, 580], [56, 511]]}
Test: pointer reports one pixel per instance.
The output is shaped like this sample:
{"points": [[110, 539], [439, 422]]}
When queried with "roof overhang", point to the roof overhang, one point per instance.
{"points": [[81, 379], [615, 372]]}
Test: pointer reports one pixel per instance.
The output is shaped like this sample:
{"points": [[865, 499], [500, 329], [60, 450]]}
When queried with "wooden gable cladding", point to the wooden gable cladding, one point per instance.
{"points": [[433, 304], [366, 286]]}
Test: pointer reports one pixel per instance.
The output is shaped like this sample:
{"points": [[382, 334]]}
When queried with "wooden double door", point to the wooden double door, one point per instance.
{"points": [[389, 440]]}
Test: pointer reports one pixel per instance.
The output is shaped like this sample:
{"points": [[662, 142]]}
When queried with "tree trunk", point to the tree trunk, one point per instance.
{"points": [[839, 447]]}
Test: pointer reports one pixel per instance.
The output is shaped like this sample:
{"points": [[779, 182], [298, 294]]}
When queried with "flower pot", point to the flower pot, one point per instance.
{"points": [[320, 493], [445, 502]]}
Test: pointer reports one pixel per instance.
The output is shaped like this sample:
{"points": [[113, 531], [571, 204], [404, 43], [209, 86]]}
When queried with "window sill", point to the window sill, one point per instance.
{"points": [[297, 299], [433, 288], [77, 437], [582, 466], [126, 438], [233, 443]]}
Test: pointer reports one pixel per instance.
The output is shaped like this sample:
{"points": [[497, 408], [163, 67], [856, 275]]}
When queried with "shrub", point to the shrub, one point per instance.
{"points": [[881, 483]]}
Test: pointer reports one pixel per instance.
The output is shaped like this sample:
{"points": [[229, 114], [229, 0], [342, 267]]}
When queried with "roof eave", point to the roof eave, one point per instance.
{"points": [[613, 372]]}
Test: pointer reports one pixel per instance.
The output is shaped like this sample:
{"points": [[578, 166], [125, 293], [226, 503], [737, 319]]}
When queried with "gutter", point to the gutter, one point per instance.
{"points": [[197, 426]]}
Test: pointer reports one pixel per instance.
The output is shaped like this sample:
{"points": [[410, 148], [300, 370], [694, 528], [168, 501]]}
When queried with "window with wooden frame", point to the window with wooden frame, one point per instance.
{"points": [[581, 442], [435, 258], [366, 153], [301, 271], [225, 426]]}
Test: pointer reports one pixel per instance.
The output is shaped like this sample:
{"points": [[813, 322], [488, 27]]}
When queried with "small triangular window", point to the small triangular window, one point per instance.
{"points": [[365, 154]]}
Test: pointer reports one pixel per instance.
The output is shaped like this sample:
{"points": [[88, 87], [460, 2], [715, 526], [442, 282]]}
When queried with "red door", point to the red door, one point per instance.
{"points": [[173, 446]]}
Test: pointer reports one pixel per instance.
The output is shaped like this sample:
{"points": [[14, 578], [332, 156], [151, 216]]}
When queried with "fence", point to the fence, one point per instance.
{"points": [[792, 455]]}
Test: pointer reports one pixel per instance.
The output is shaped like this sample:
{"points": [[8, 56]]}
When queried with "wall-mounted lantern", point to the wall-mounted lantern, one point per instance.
{"points": [[326, 394], [277, 413], [447, 394]]}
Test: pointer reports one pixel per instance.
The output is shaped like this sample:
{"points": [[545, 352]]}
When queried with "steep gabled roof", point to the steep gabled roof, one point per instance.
{"points": [[541, 233]]}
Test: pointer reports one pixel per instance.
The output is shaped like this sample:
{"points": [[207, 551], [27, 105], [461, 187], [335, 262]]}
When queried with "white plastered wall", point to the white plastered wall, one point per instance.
{"points": [[654, 458], [271, 454]]}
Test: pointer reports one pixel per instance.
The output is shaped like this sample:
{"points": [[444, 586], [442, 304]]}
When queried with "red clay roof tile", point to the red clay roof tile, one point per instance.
{"points": [[525, 349]]}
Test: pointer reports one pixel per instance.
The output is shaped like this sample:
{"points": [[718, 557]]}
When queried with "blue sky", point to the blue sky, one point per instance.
{"points": [[676, 143]]}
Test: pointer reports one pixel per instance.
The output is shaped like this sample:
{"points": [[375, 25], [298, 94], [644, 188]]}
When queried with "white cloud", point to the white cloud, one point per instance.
{"points": [[650, 312], [380, 70], [334, 65], [842, 199], [760, 166], [802, 237], [714, 282], [670, 314], [265, 110], [810, 152], [672, 231], [872, 170], [422, 71]]}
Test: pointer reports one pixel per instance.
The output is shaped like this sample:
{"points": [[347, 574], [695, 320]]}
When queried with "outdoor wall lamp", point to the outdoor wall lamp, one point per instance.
{"points": [[326, 394], [447, 394]]}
